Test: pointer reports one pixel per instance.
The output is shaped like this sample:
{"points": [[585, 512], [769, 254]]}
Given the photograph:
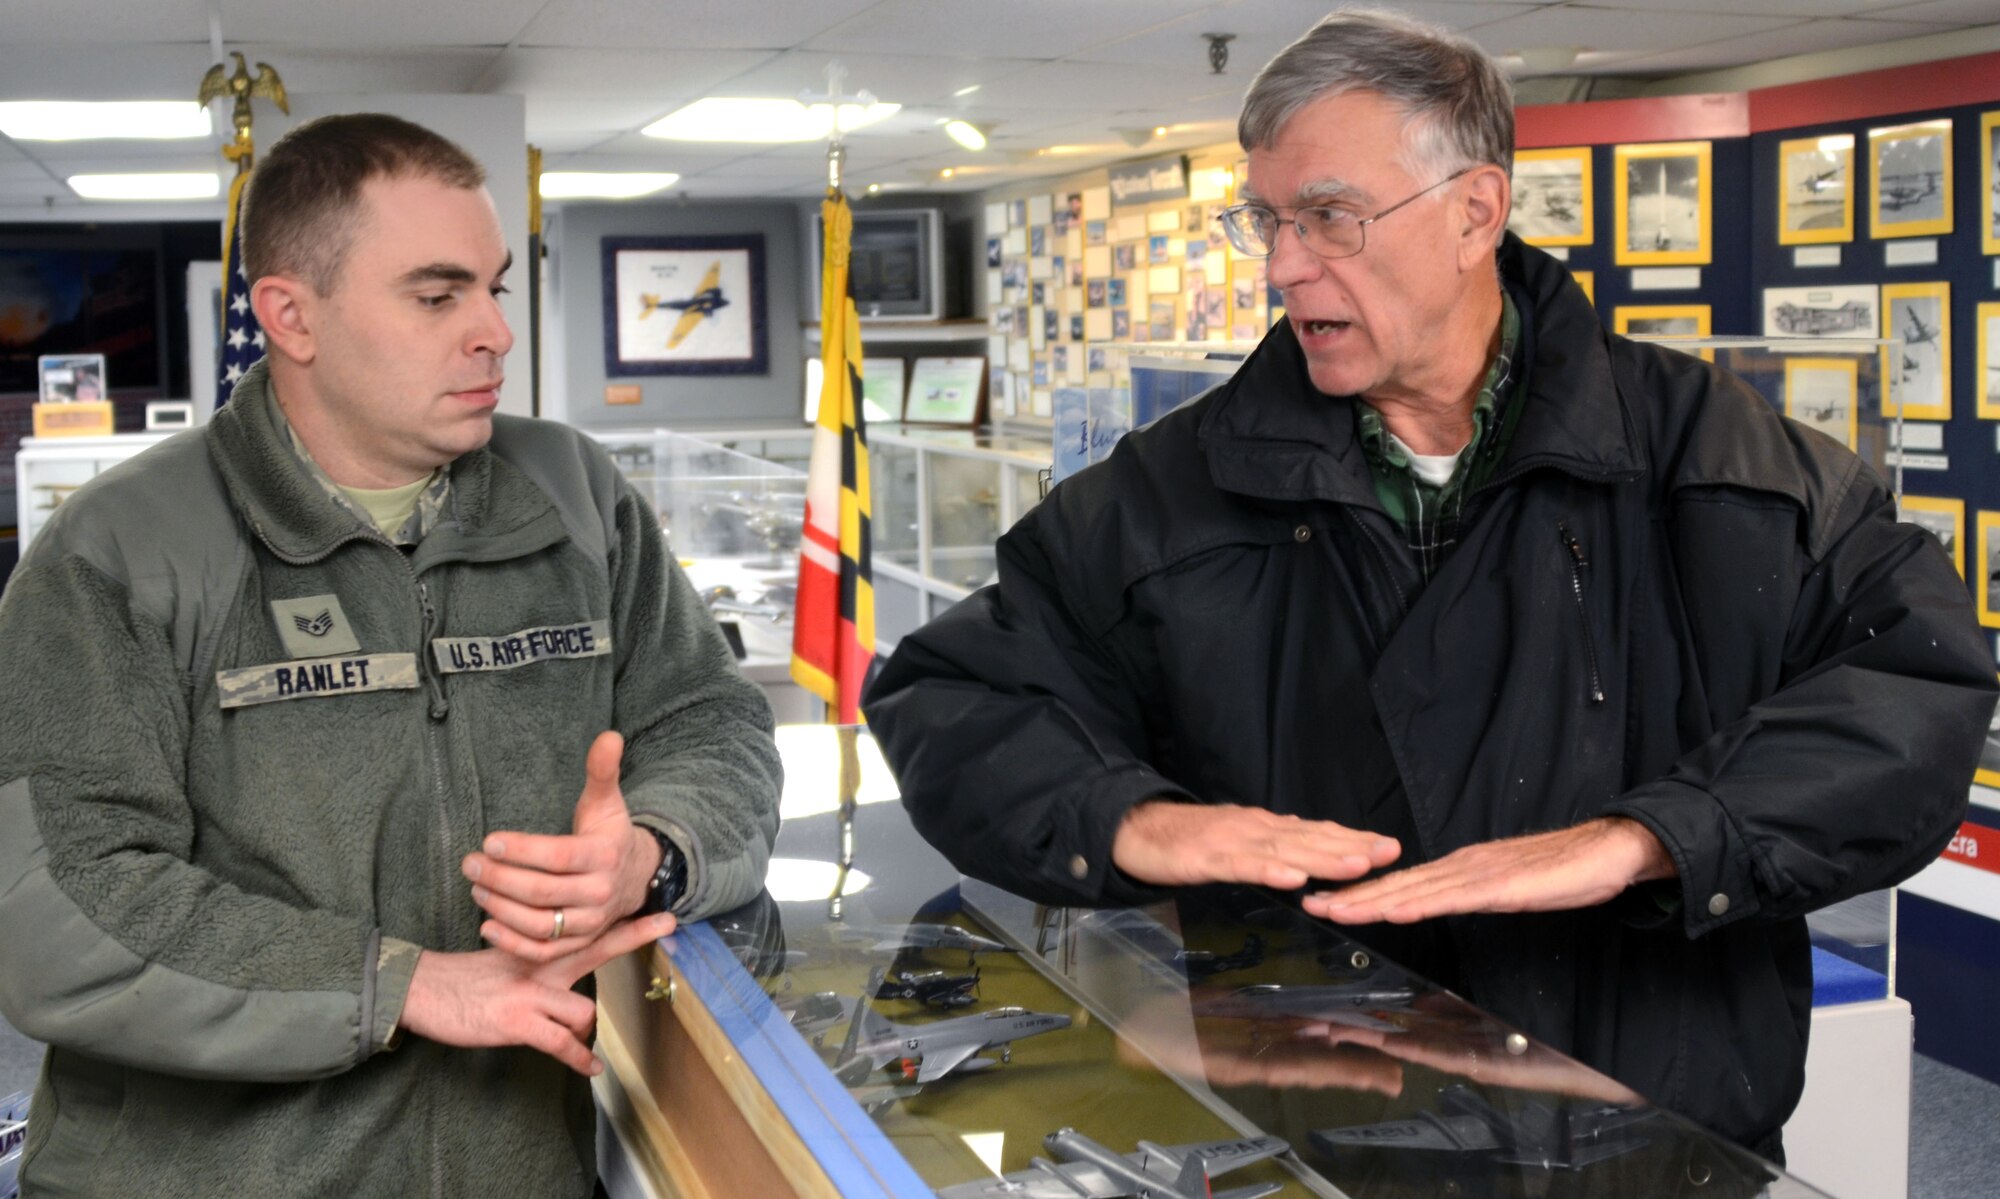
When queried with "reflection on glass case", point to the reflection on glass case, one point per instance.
{"points": [[924, 1035]]}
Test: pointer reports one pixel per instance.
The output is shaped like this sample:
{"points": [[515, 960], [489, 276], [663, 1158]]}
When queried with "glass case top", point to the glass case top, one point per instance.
{"points": [[955, 1039]]}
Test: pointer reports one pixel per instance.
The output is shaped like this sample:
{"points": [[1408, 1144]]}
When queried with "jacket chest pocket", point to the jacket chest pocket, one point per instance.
{"points": [[1576, 566]]}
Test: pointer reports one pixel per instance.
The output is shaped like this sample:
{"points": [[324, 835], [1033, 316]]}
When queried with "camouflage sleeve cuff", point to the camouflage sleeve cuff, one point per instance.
{"points": [[395, 964]]}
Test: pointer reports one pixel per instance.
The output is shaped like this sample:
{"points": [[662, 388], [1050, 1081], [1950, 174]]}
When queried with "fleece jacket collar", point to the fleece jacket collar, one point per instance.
{"points": [[494, 512], [1271, 434]]}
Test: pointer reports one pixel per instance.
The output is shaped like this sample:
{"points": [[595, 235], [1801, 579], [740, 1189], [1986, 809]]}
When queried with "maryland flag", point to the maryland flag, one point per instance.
{"points": [[833, 636], [243, 337]]}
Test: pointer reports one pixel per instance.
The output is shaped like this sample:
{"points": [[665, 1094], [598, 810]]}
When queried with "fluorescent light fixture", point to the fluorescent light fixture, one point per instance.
{"points": [[735, 119], [181, 185], [79, 120], [966, 134], [604, 185]]}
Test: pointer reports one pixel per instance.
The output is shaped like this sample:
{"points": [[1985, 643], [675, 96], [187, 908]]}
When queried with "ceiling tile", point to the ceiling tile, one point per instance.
{"points": [[1651, 32], [686, 24], [1810, 38], [1261, 29], [350, 69], [906, 79], [107, 71], [1758, 8], [549, 118], [396, 23], [1081, 86], [1958, 12], [30, 21], [618, 74], [1041, 29]]}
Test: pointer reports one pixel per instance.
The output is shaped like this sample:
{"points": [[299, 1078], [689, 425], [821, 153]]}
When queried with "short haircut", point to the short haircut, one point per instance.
{"points": [[1458, 103], [302, 209]]}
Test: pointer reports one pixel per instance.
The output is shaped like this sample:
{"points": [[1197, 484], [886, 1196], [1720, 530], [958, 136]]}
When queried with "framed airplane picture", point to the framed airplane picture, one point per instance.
{"points": [[1986, 319], [1943, 518], [1816, 190], [1553, 197], [1989, 183], [1909, 185], [1823, 394], [1986, 561], [685, 305], [1663, 204], [1916, 376]]}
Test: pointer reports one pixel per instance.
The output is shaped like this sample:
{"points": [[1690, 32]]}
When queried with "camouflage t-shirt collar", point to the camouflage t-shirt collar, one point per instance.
{"points": [[430, 503]]}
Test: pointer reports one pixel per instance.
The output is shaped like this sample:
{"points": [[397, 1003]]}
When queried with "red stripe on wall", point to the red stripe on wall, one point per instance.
{"points": [[1976, 846], [1653, 119], [1892, 90]]}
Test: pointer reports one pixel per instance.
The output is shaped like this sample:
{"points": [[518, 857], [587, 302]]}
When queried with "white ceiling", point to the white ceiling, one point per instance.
{"points": [[1047, 72]]}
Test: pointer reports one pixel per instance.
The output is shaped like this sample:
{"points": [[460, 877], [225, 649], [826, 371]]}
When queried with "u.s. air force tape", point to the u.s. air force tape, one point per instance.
{"points": [[588, 639], [316, 677]]}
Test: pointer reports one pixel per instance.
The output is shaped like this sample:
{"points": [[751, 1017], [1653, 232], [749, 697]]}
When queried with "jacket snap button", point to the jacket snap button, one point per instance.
{"points": [[1718, 904], [1302, 534], [1078, 868]]}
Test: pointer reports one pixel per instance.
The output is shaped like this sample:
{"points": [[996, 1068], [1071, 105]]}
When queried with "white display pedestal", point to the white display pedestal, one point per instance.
{"points": [[1851, 1134]]}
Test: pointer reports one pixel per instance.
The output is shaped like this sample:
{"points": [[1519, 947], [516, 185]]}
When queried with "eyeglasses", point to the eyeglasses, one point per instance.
{"points": [[1326, 231]]}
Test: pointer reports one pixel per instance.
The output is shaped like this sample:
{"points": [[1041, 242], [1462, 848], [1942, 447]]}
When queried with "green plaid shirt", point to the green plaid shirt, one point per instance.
{"points": [[1429, 516], [430, 501]]}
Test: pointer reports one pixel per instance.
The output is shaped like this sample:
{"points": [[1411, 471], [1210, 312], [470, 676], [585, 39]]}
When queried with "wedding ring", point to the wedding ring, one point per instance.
{"points": [[555, 934]]}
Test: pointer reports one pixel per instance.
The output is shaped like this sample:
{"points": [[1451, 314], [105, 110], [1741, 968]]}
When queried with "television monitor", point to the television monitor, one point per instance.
{"points": [[897, 268]]}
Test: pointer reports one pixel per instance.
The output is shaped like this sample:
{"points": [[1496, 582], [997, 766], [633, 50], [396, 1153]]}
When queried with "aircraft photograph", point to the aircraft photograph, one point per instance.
{"points": [[1085, 1169], [1663, 203], [1901, 191], [1909, 177], [706, 301], [1923, 377], [1817, 186]]}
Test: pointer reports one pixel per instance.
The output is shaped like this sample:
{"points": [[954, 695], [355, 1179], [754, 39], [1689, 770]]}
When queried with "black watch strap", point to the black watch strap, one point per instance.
{"points": [[669, 882]]}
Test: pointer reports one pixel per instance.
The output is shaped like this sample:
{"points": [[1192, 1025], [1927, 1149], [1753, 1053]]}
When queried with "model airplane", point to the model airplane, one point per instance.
{"points": [[1200, 963], [927, 1052], [1330, 1003], [1085, 1169], [1550, 1138], [816, 1012], [922, 936], [933, 988], [706, 299]]}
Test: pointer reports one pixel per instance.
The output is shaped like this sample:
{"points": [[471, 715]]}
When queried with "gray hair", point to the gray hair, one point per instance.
{"points": [[1458, 103]]}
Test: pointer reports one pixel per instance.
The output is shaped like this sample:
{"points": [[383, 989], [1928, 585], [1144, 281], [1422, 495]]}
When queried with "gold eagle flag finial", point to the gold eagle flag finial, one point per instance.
{"points": [[242, 86]]}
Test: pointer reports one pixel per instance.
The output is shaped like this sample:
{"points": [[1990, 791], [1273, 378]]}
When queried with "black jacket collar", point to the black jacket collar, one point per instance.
{"points": [[1271, 434]]}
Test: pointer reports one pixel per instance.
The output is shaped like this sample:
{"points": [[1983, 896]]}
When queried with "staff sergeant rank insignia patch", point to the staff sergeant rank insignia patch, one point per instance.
{"points": [[313, 626], [588, 639]]}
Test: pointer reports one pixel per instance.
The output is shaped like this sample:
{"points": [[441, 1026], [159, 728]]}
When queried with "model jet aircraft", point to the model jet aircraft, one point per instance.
{"points": [[1330, 1003], [922, 936], [934, 988], [928, 1052], [1550, 1138], [1201, 963], [706, 299], [1085, 1169]]}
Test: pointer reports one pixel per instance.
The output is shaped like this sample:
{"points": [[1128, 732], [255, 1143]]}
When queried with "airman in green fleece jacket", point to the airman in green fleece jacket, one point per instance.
{"points": [[300, 857]]}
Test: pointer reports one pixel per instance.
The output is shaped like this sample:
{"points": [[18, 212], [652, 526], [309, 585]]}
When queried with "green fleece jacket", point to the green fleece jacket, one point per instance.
{"points": [[244, 744]]}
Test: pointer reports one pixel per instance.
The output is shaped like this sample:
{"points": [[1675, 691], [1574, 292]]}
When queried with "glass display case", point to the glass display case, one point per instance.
{"points": [[942, 498], [896, 1031], [48, 469]]}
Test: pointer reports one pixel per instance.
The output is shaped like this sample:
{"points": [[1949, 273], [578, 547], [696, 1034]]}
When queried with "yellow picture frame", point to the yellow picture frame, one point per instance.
{"points": [[1986, 330], [1981, 774], [1982, 592], [1842, 420], [1952, 510], [1545, 212], [1663, 210], [1989, 205], [1900, 174], [1926, 352], [1624, 315], [1587, 280], [1808, 191]]}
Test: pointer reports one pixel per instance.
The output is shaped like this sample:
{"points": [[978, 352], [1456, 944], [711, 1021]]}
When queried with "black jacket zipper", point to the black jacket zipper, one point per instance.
{"points": [[1577, 565]]}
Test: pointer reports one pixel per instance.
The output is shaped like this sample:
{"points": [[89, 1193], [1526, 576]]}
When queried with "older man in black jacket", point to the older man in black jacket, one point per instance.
{"points": [[1595, 671]]}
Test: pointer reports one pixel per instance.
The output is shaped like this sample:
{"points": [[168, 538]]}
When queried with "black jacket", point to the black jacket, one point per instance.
{"points": [[1667, 602]]}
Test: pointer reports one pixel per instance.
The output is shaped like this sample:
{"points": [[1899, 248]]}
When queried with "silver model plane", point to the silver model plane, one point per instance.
{"points": [[928, 1052], [894, 938], [1332, 1003], [1550, 1138], [1085, 1169]]}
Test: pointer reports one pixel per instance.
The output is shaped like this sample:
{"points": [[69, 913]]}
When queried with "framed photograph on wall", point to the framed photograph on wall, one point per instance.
{"points": [[1664, 203], [1816, 190], [1986, 589], [948, 390], [1945, 519], [1917, 377], [1838, 311], [1824, 394], [1987, 320], [1989, 183], [685, 305], [1660, 320], [1909, 185], [1553, 197]]}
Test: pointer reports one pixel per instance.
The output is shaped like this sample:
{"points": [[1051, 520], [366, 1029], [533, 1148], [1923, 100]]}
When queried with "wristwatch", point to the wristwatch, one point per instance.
{"points": [[670, 881]]}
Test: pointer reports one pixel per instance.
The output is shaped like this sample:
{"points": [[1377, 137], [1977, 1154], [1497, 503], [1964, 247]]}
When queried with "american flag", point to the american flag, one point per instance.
{"points": [[242, 336]]}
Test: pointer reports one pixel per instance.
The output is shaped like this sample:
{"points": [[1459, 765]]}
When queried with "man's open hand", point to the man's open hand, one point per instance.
{"points": [[491, 998], [595, 876], [1173, 844], [1576, 867]]}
